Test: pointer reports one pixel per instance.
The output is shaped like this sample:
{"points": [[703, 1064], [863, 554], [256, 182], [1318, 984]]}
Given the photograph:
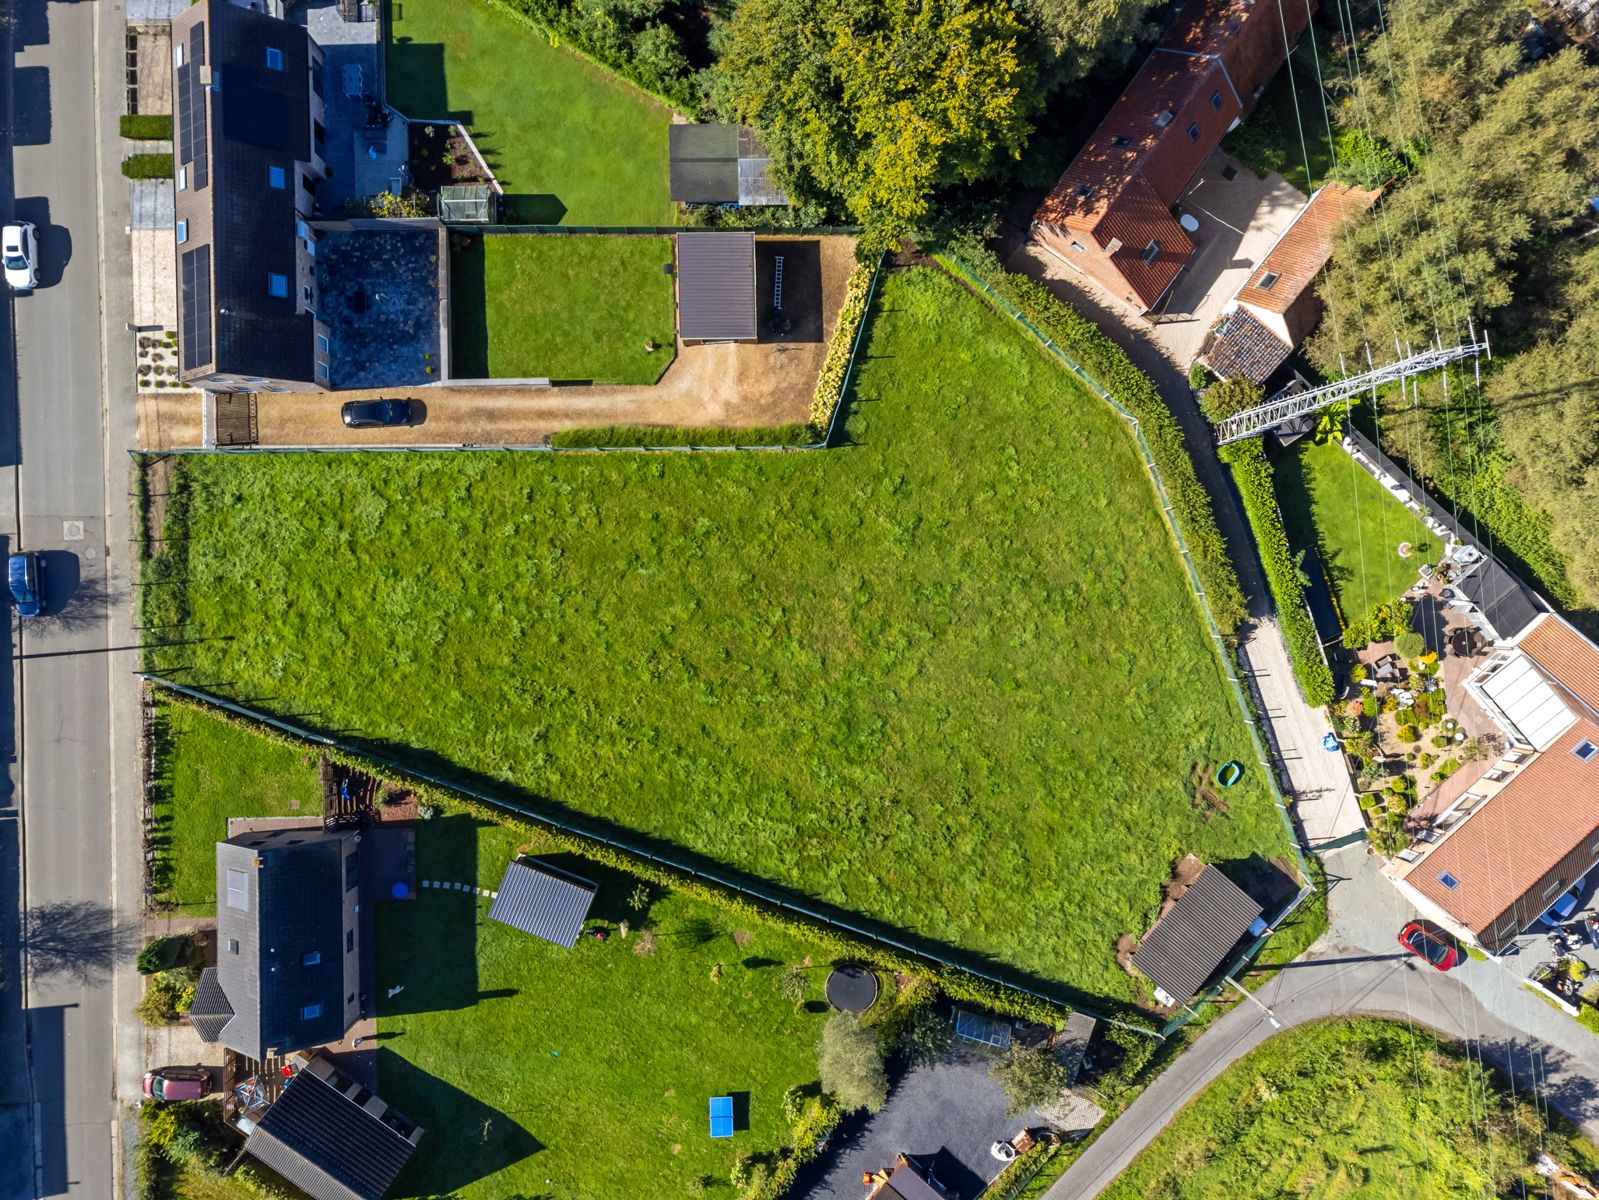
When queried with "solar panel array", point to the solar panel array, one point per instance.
{"points": [[195, 282], [191, 110]]}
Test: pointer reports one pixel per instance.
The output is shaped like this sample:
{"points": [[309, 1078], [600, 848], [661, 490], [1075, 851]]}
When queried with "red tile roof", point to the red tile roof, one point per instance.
{"points": [[1304, 247], [1566, 655]]}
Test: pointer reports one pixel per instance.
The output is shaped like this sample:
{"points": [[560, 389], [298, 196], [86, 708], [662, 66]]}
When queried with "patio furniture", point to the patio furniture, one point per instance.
{"points": [[721, 1116]]}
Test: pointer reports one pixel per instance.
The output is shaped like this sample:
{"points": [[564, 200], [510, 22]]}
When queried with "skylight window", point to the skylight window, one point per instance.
{"points": [[277, 285], [1215, 101], [1585, 750], [1151, 253], [1121, 140], [1266, 280], [1084, 191], [1193, 133], [274, 58], [1449, 881], [310, 1012]]}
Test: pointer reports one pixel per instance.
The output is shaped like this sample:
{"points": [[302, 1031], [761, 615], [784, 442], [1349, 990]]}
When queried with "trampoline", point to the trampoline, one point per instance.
{"points": [[852, 989], [721, 1116]]}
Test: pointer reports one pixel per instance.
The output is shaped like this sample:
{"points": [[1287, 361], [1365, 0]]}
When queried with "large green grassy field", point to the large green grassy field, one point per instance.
{"points": [[211, 771], [540, 1071], [949, 676], [1330, 502], [565, 308], [569, 141], [1350, 1108]]}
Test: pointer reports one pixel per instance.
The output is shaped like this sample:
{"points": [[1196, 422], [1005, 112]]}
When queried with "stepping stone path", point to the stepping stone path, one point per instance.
{"points": [[457, 886]]}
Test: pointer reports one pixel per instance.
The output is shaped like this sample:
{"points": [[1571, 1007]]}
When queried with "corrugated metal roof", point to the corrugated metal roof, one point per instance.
{"points": [[543, 900], [1567, 655], [716, 287], [1196, 935], [1243, 346]]}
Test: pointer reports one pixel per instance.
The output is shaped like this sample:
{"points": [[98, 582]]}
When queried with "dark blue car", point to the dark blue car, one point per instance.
{"points": [[25, 574]]}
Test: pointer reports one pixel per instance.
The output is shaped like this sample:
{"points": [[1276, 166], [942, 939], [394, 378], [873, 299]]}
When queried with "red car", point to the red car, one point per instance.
{"points": [[1424, 943], [178, 1083]]}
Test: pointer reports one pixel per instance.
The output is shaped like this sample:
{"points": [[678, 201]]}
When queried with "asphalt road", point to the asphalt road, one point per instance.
{"points": [[62, 445]]}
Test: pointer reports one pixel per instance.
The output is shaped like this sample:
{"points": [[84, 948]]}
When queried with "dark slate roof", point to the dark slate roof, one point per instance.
{"points": [[904, 1183], [543, 900], [1196, 935], [1243, 346], [1504, 601], [210, 1012], [281, 895], [318, 1137], [721, 164], [716, 286]]}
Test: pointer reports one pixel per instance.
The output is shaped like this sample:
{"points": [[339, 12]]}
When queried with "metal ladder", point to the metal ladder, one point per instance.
{"points": [[777, 286]]}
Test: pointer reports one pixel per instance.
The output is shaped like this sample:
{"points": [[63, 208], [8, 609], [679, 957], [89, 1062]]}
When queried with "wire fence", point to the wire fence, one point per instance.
{"points": [[654, 230], [1223, 652], [727, 882]]}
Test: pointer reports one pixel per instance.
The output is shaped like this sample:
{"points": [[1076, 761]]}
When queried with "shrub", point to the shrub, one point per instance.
{"points": [[1445, 769], [1408, 733], [830, 383], [147, 166], [1368, 704], [624, 436], [146, 127], [164, 953], [1372, 770], [1253, 475], [1136, 1051], [166, 997], [1588, 1018], [1409, 645], [1357, 673], [1440, 741], [924, 1035], [1198, 377], [1229, 397], [1106, 362], [849, 1060], [1030, 1076], [1405, 716], [1364, 161], [1426, 760], [792, 984]]}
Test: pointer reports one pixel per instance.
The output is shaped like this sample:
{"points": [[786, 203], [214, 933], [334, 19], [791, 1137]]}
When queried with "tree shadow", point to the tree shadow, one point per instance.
{"points": [[77, 939]]}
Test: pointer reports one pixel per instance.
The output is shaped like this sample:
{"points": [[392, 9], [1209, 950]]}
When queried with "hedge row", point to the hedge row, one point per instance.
{"points": [[147, 127], [1135, 391], [1252, 474], [626, 436], [147, 166], [830, 383], [955, 983]]}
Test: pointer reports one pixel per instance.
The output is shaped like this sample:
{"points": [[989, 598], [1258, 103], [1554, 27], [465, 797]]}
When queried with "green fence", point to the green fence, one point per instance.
{"points": [[656, 230], [1223, 653]]}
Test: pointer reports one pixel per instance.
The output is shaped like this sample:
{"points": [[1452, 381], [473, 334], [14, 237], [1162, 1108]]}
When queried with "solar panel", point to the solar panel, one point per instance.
{"points": [[191, 110], [983, 1030], [721, 1116], [195, 286]]}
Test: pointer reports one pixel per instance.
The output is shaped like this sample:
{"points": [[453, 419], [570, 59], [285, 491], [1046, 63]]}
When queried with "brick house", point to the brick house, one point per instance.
{"points": [[1111, 215]]}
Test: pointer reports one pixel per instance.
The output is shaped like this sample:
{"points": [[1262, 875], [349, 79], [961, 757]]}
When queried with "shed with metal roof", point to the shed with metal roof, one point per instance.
{"points": [[541, 899], [1195, 936], [716, 287]]}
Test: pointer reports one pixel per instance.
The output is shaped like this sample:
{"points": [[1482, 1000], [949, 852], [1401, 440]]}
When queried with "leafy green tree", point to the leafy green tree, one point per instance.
{"points": [[1030, 1076], [1083, 36], [1229, 397], [849, 1061]]}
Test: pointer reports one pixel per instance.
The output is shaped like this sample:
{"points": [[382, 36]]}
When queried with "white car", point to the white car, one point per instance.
{"points": [[19, 249]]}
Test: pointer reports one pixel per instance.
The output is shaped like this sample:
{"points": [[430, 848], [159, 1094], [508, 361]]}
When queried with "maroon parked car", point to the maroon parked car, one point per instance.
{"points": [[1435, 948], [178, 1083]]}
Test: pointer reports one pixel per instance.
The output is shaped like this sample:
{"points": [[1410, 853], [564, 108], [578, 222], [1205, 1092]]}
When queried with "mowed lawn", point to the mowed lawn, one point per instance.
{"points": [[564, 308], [540, 1071], [949, 676], [212, 770], [1350, 1108], [569, 141], [1330, 502]]}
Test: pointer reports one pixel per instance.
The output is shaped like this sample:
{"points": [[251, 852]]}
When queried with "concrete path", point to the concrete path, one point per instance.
{"points": [[1358, 968]]}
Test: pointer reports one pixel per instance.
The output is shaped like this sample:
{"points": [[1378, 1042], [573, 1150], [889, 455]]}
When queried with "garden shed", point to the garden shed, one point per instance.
{"points": [[721, 164], [716, 287], [467, 203], [1195, 936], [539, 898]]}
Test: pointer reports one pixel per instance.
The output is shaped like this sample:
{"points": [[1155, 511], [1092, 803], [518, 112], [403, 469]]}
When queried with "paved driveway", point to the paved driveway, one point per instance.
{"points": [[951, 1110]]}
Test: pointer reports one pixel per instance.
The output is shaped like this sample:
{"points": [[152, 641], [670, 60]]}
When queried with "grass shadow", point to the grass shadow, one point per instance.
{"points": [[426, 957], [533, 208], [469, 321]]}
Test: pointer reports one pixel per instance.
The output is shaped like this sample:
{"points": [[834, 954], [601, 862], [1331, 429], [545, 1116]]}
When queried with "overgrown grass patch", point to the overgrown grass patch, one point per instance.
{"points": [[538, 1070], [566, 308], [950, 676], [568, 140], [1329, 501], [1358, 1107]]}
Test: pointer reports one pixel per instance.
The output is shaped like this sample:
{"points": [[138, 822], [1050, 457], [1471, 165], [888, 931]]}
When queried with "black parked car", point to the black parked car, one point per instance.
{"points": [[375, 414]]}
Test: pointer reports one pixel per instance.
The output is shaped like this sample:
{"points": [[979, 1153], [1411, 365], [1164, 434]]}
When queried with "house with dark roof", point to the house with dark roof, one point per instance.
{"points": [[329, 1136], [1111, 214], [248, 155], [539, 898], [289, 943], [720, 164], [1195, 936], [907, 1181], [1276, 306], [1525, 827]]}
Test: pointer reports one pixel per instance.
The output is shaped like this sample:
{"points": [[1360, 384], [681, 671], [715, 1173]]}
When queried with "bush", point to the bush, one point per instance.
{"points": [[1136, 1051], [1369, 801], [1229, 398], [622, 35], [1426, 760], [167, 997], [1408, 733], [849, 1061], [164, 953], [1368, 704], [1030, 1076], [1364, 161], [1198, 377], [147, 127], [147, 166], [653, 435], [923, 1036], [1103, 359], [1253, 475], [1357, 673], [829, 393], [1588, 1018], [1440, 741], [1445, 769], [1409, 645]]}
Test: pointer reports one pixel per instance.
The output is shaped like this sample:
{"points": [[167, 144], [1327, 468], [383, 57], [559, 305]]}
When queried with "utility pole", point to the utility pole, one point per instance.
{"points": [[1250, 996]]}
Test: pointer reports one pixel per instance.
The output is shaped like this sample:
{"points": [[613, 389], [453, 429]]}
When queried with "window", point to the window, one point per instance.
{"points": [[308, 184], [310, 1012], [1267, 280], [274, 58], [322, 371], [183, 232], [1193, 133], [310, 958], [238, 889], [1084, 191], [1554, 887], [307, 293], [1585, 750], [233, 945], [1494, 776], [323, 344], [277, 177], [349, 941], [1151, 253], [1449, 881], [277, 285], [1165, 117], [1215, 101], [177, 55], [350, 999], [182, 177], [1077, 246], [1121, 141]]}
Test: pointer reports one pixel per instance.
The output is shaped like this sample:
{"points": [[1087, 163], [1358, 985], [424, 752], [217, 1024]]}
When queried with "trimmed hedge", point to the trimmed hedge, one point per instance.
{"points": [[1252, 473], [830, 383], [147, 166], [1109, 365], [626, 436], [147, 127], [953, 982]]}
